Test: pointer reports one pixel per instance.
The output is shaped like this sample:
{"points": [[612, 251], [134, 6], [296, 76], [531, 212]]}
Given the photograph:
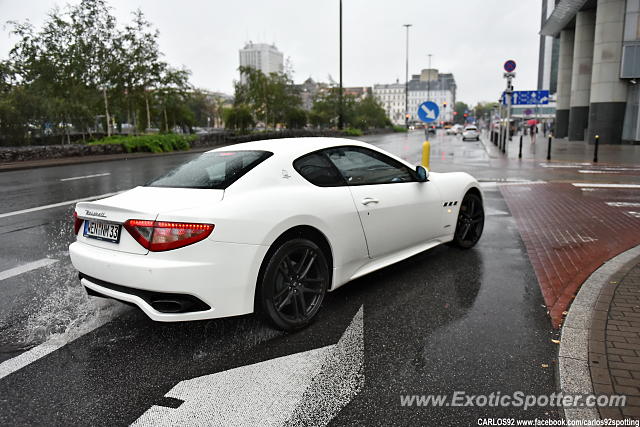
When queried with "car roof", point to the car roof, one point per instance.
{"points": [[294, 147]]}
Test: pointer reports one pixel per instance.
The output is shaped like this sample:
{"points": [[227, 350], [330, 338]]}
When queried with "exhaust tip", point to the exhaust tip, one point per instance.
{"points": [[168, 306]]}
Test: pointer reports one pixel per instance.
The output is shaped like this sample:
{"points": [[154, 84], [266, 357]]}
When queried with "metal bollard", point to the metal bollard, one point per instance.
{"points": [[549, 148], [595, 152], [426, 153], [520, 151]]}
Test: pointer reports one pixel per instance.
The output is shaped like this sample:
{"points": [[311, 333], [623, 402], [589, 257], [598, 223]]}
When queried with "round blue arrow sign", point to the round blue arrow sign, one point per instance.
{"points": [[428, 112], [510, 65]]}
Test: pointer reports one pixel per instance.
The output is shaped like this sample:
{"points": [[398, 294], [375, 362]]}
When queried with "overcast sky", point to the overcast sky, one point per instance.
{"points": [[468, 38]]}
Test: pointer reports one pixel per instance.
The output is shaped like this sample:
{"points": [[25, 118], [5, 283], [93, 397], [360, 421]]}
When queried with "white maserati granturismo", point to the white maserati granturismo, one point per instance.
{"points": [[268, 227]]}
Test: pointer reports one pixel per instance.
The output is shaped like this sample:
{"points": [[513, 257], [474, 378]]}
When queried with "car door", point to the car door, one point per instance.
{"points": [[395, 210]]}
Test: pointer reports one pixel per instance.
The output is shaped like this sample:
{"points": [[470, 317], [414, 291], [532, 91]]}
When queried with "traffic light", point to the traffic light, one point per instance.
{"points": [[444, 105], [455, 113], [466, 115], [407, 116]]}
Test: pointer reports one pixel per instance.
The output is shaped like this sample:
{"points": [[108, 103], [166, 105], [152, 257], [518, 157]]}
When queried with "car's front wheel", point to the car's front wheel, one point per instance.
{"points": [[470, 222], [294, 284]]}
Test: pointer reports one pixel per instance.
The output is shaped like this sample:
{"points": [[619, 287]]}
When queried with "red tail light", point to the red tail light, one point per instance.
{"points": [[77, 223], [163, 236]]}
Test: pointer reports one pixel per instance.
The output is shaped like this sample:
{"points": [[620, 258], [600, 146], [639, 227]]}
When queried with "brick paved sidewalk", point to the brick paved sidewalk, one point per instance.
{"points": [[614, 341], [570, 232]]}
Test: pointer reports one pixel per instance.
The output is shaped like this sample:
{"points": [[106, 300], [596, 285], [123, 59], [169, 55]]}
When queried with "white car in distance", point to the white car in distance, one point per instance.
{"points": [[471, 132], [268, 227]]}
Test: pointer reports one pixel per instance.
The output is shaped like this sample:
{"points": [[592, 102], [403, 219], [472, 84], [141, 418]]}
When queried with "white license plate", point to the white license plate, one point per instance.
{"points": [[102, 231]]}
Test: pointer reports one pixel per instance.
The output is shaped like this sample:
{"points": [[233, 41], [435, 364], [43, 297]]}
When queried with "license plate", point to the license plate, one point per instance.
{"points": [[102, 231]]}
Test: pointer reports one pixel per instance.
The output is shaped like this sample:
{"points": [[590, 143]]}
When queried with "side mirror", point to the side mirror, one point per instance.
{"points": [[422, 173]]}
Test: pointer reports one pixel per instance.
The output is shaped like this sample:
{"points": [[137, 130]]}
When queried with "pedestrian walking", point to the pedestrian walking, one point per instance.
{"points": [[533, 130]]}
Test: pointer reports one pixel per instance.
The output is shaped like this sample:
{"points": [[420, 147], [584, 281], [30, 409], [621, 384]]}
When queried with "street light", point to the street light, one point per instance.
{"points": [[340, 109], [429, 79], [406, 82]]}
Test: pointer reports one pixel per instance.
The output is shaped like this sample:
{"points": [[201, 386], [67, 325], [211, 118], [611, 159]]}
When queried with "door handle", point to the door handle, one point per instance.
{"points": [[367, 200]]}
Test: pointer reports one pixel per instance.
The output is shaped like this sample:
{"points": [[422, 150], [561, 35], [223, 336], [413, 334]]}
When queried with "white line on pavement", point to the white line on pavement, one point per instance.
{"points": [[26, 267], [597, 171], [55, 205], [595, 185], [73, 178], [624, 204], [15, 364], [490, 184]]}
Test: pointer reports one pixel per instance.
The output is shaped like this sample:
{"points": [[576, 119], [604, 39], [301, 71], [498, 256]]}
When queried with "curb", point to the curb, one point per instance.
{"points": [[573, 357]]}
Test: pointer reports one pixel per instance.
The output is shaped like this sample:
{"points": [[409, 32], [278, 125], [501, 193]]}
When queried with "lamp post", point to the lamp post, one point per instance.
{"points": [[340, 106], [429, 79], [406, 83]]}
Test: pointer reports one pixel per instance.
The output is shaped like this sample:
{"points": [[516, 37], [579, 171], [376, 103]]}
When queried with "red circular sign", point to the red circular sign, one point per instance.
{"points": [[510, 65]]}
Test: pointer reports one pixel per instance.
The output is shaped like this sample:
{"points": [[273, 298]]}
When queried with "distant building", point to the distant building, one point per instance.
{"points": [[309, 90], [597, 70], [261, 56], [358, 92], [391, 97], [429, 85]]}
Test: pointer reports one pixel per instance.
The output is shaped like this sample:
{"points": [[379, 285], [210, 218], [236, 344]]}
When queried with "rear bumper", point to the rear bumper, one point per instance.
{"points": [[220, 275]]}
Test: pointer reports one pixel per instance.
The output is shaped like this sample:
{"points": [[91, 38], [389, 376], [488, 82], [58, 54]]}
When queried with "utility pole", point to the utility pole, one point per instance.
{"points": [[340, 101], [406, 84], [429, 79]]}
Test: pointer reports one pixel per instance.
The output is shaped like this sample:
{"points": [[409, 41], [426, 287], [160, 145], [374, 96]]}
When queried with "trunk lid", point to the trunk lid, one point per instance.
{"points": [[144, 203]]}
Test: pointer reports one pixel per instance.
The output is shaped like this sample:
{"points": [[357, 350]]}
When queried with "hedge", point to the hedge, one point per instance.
{"points": [[150, 143]]}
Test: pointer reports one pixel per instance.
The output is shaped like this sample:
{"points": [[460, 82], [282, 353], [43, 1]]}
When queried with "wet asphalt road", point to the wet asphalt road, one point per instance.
{"points": [[441, 321]]}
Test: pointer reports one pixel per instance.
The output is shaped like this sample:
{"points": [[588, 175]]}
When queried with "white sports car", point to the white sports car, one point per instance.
{"points": [[268, 226]]}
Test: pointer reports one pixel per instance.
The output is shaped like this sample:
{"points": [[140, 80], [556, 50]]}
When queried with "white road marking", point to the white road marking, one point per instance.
{"points": [[597, 171], [26, 267], [15, 364], [493, 212], [508, 181], [634, 214], [307, 388], [596, 185], [73, 178], [564, 165], [54, 205], [624, 204]]}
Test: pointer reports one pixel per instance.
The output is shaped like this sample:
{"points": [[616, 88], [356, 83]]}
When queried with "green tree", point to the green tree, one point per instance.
{"points": [[368, 113], [324, 112], [461, 109], [296, 118], [239, 118], [269, 96], [80, 68]]}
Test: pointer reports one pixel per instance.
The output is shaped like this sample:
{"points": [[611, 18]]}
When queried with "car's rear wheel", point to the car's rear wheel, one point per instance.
{"points": [[294, 284], [470, 222]]}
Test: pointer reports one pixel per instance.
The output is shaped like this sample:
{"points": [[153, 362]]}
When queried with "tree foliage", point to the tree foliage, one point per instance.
{"points": [[82, 71], [461, 109], [270, 97], [361, 114]]}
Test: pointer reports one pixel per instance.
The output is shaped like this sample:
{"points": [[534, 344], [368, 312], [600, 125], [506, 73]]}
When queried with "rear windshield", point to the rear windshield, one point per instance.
{"points": [[216, 170]]}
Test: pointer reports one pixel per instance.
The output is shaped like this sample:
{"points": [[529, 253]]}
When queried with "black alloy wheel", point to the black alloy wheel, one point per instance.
{"points": [[294, 284], [470, 222]]}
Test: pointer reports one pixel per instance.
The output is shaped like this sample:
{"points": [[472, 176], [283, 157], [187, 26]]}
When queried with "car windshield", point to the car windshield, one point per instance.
{"points": [[215, 170]]}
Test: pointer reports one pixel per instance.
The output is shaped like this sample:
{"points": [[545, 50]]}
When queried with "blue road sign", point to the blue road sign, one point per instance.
{"points": [[428, 112], [528, 97], [510, 65]]}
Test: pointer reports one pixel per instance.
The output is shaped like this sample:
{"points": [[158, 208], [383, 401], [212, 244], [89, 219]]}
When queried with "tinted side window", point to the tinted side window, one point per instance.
{"points": [[316, 169], [360, 166]]}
